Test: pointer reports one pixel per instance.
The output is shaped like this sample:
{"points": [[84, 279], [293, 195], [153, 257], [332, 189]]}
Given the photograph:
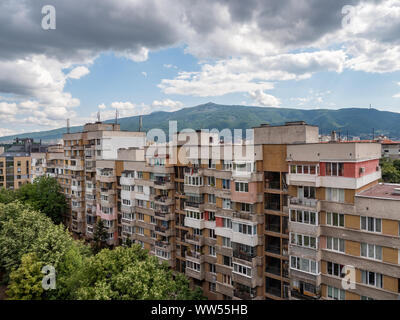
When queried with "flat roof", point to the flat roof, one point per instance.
{"points": [[382, 191]]}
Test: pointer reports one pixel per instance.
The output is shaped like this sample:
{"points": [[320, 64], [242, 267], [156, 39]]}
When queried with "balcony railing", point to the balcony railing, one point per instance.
{"points": [[304, 202], [244, 295], [243, 256]]}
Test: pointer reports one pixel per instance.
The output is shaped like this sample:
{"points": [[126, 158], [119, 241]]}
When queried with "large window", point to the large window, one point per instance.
{"points": [[372, 278], [303, 240], [335, 219], [244, 228], [334, 169], [371, 251], [307, 217], [371, 224], [306, 192], [336, 294], [303, 169], [335, 195], [303, 264], [335, 244], [241, 187], [243, 270], [335, 269]]}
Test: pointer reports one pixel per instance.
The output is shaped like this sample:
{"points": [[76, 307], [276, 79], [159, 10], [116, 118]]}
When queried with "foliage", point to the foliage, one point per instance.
{"points": [[30, 240], [44, 195], [390, 170], [130, 273], [26, 281], [100, 236]]}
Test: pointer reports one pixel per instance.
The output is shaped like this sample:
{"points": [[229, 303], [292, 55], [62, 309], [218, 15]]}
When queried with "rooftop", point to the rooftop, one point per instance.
{"points": [[382, 191]]}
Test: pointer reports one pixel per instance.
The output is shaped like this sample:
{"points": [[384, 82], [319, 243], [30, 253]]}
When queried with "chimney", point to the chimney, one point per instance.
{"points": [[140, 123]]}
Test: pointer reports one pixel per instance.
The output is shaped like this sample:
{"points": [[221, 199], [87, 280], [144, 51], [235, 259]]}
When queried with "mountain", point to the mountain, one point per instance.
{"points": [[352, 121]]}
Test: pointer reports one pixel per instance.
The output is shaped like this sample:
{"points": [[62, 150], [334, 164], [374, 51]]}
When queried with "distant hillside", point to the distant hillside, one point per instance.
{"points": [[354, 121]]}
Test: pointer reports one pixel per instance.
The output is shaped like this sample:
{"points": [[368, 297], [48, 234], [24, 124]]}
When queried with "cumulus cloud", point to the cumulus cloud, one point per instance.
{"points": [[264, 99], [78, 72]]}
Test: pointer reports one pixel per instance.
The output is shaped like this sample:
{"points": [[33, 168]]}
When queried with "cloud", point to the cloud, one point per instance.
{"points": [[144, 74], [252, 74], [78, 72], [129, 109], [264, 99]]}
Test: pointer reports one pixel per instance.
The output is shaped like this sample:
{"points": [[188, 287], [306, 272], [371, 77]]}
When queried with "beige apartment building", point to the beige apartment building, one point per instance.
{"points": [[275, 219]]}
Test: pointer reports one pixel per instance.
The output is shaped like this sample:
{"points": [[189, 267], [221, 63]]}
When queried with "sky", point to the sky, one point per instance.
{"points": [[141, 56]]}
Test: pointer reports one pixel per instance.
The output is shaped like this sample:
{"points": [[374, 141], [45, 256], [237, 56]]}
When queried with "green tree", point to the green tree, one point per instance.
{"points": [[26, 281], [390, 170], [100, 236], [130, 273], [45, 195], [7, 196]]}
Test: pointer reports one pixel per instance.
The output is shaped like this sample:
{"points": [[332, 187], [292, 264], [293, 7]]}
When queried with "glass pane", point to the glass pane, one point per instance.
{"points": [[306, 241], [378, 225], [335, 244], [329, 218], [335, 219], [378, 252], [312, 169], [363, 223], [363, 249], [306, 217], [341, 245], [370, 251], [370, 224], [341, 220]]}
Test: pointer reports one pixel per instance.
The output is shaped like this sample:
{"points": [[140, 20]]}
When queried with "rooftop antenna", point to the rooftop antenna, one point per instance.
{"points": [[68, 125], [140, 123], [373, 134], [98, 116], [116, 116], [370, 106]]}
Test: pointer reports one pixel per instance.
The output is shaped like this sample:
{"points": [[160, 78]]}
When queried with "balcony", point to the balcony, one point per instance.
{"points": [[194, 223], [244, 295], [166, 246], [165, 231], [199, 275], [127, 181], [165, 200], [164, 216], [195, 256], [127, 209], [194, 239], [305, 202]]}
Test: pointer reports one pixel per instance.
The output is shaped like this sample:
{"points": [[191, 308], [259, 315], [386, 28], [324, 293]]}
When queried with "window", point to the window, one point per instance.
{"points": [[140, 216], [211, 216], [371, 224], [193, 265], [212, 287], [194, 214], [244, 228], [305, 265], [335, 195], [212, 268], [306, 192], [139, 189], [307, 217], [371, 251], [335, 244], [227, 261], [211, 250], [227, 165], [335, 269], [335, 219], [372, 278], [226, 242], [211, 181], [336, 294], [241, 187], [227, 279], [303, 240], [139, 174], [212, 234], [246, 207], [140, 230], [243, 270], [226, 184], [211, 164], [227, 223], [226, 204], [334, 169], [126, 202], [212, 199], [303, 169]]}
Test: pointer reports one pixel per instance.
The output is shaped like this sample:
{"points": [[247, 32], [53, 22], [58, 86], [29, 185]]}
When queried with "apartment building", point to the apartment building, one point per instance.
{"points": [[146, 206], [88, 175], [275, 219], [324, 180], [15, 162]]}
